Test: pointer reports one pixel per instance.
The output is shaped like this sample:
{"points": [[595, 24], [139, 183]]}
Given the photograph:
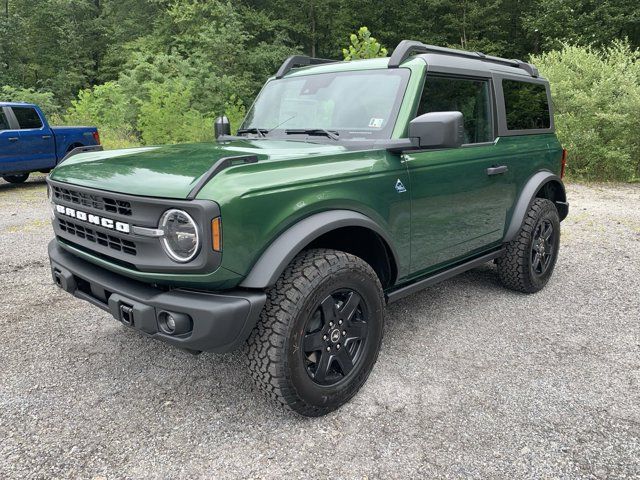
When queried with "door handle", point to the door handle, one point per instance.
{"points": [[13, 139], [497, 170], [46, 137]]}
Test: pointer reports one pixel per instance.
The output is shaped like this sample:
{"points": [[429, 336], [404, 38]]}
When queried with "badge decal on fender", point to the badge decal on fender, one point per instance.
{"points": [[400, 188]]}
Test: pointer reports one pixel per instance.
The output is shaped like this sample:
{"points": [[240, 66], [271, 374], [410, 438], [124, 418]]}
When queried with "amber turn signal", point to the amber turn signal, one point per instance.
{"points": [[216, 234]]}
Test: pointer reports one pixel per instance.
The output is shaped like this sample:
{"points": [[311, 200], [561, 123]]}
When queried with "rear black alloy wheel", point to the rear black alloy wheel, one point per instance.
{"points": [[335, 337], [542, 248], [319, 333], [530, 258], [20, 178]]}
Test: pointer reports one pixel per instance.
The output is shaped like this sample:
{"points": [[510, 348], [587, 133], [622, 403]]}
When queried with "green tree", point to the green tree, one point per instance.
{"points": [[583, 22], [167, 117], [45, 100], [50, 45], [363, 45]]}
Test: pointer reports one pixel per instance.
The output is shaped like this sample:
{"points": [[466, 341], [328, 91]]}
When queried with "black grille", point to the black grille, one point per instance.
{"points": [[98, 202], [100, 238]]}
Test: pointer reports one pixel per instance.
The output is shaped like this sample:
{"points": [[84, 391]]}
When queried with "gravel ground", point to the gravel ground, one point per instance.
{"points": [[473, 381]]}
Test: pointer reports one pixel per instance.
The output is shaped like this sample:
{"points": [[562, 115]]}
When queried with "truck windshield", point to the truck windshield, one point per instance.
{"points": [[356, 104]]}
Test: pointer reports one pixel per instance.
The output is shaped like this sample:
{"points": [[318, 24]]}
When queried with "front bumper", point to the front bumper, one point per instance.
{"points": [[218, 322]]}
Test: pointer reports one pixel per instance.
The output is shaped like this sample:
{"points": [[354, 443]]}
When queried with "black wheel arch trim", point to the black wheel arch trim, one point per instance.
{"points": [[527, 197], [287, 245]]}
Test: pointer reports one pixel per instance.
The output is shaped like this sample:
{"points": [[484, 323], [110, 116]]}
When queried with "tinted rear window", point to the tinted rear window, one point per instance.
{"points": [[526, 105], [27, 117]]}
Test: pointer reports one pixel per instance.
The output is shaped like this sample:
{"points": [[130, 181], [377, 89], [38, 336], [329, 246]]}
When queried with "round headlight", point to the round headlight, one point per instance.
{"points": [[181, 240]]}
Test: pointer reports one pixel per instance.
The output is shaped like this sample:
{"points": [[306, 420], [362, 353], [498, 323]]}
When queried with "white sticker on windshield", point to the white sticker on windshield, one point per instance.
{"points": [[376, 122]]}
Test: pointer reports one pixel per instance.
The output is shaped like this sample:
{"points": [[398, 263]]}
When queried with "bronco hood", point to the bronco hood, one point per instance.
{"points": [[171, 171]]}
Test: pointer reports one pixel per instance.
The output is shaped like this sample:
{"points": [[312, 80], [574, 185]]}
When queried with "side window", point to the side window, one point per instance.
{"points": [[4, 123], [27, 117], [470, 97], [526, 105]]}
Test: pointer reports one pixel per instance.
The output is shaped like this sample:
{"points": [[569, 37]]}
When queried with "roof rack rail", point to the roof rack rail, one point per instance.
{"points": [[300, 61], [406, 48]]}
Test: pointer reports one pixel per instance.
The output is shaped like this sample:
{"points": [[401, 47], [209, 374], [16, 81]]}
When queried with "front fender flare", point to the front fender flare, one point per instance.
{"points": [[526, 198], [286, 246]]}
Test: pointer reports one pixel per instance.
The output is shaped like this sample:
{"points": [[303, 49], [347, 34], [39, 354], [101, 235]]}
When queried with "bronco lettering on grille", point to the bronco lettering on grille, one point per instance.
{"points": [[94, 219]]}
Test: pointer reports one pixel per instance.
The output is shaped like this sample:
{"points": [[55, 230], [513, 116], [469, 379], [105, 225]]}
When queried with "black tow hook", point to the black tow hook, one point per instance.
{"points": [[126, 315]]}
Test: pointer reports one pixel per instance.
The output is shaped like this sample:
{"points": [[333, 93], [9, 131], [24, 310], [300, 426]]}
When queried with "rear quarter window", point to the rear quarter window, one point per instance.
{"points": [[27, 117], [526, 105]]}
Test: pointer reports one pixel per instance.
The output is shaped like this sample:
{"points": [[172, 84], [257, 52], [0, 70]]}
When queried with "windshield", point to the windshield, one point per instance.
{"points": [[357, 104]]}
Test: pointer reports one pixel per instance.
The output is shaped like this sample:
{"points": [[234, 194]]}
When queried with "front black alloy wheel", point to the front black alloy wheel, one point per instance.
{"points": [[335, 337], [319, 333]]}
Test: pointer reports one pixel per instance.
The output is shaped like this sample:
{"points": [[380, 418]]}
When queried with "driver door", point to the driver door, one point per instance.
{"points": [[458, 206]]}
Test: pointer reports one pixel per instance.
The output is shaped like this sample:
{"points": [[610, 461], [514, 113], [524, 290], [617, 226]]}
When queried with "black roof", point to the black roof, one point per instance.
{"points": [[408, 48]]}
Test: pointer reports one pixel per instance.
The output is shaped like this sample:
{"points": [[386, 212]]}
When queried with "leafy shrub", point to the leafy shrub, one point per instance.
{"points": [[107, 104], [596, 95], [111, 109], [167, 117], [363, 45], [113, 139]]}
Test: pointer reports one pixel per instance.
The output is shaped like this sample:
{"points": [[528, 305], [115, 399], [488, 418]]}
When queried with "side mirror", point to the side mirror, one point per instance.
{"points": [[222, 126], [438, 130]]}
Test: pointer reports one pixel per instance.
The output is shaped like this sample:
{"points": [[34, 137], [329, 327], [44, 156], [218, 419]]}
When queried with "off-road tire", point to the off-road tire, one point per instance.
{"points": [[20, 178], [515, 268], [275, 348]]}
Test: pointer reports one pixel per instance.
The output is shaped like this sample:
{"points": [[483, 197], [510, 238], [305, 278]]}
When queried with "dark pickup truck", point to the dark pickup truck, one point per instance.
{"points": [[29, 144]]}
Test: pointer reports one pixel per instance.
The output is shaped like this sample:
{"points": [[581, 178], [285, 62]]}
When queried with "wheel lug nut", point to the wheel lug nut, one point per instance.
{"points": [[331, 324], [324, 337], [340, 322], [328, 349], [338, 346], [344, 333]]}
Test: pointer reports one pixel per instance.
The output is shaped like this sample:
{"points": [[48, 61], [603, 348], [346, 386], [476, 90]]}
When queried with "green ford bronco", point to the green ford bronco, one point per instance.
{"points": [[349, 185]]}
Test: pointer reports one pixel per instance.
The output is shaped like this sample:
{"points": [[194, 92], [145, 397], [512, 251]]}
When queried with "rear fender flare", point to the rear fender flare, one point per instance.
{"points": [[526, 198], [286, 246]]}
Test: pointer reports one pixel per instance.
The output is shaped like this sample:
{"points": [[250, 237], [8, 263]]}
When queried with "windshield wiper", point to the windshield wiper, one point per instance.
{"points": [[259, 131], [314, 131]]}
